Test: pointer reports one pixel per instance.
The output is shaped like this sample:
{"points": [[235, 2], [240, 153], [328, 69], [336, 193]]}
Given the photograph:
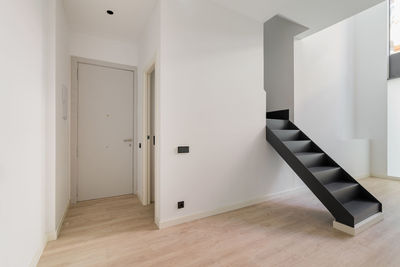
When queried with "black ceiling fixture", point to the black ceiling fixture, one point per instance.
{"points": [[110, 12]]}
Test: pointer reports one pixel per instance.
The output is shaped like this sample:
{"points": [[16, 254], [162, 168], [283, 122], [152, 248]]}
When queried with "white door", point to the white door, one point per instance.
{"points": [[105, 131]]}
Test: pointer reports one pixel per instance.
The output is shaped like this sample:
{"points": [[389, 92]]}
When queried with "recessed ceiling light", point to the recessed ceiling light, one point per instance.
{"points": [[110, 12]]}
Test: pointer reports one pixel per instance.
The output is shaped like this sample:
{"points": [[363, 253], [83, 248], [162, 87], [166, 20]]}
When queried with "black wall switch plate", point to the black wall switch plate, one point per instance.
{"points": [[183, 149], [181, 204]]}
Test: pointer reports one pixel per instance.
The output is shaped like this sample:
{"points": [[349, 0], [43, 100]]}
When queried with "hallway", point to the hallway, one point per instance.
{"points": [[292, 230]]}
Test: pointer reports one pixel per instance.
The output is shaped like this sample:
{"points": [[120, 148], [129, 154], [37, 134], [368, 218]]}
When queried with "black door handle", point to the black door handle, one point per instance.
{"points": [[154, 140]]}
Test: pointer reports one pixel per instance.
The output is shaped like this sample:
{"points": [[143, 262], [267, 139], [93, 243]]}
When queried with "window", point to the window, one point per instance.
{"points": [[394, 57], [394, 26]]}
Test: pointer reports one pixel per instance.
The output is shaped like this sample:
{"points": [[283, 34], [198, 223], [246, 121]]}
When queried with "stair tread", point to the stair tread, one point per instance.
{"points": [[286, 130], [337, 186], [276, 120], [289, 134], [335, 183], [323, 169], [275, 124], [289, 141], [359, 207], [308, 153]]}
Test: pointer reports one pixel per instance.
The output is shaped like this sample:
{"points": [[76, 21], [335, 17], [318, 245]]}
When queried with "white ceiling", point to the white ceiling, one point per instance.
{"points": [[89, 17], [314, 14]]}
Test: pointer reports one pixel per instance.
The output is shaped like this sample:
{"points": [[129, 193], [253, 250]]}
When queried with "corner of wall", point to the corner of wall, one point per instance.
{"points": [[39, 251]]}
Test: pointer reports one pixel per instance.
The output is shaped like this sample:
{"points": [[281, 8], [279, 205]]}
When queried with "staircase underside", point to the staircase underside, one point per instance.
{"points": [[352, 206]]}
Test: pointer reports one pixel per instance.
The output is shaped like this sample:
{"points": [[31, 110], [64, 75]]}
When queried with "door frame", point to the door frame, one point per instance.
{"points": [[146, 185], [73, 127]]}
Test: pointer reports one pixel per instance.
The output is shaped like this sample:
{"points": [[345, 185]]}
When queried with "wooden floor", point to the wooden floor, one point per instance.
{"points": [[295, 230]]}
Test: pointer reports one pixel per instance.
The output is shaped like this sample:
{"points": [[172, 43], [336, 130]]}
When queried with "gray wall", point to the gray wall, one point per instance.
{"points": [[279, 35]]}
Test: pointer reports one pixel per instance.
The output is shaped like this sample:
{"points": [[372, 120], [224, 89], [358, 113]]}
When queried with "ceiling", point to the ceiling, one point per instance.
{"points": [[89, 17], [314, 14]]}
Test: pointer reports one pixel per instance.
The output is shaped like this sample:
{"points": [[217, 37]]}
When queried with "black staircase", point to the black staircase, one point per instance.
{"points": [[342, 195]]}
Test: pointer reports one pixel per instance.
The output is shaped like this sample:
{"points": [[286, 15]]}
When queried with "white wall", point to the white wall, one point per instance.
{"points": [[148, 54], [279, 64], [212, 99], [341, 94], [62, 79], [99, 48], [371, 84], [394, 128], [324, 95], [23, 102], [58, 176]]}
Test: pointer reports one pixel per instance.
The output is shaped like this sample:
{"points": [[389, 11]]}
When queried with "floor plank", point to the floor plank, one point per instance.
{"points": [[295, 230]]}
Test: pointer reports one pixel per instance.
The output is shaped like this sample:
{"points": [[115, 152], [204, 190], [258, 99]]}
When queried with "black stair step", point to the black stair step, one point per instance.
{"points": [[339, 186], [326, 174], [346, 199], [288, 135], [274, 124], [343, 191], [311, 159], [362, 209], [299, 145]]}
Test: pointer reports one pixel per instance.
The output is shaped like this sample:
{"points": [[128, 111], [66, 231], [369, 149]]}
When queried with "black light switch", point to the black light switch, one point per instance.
{"points": [[183, 149], [181, 204]]}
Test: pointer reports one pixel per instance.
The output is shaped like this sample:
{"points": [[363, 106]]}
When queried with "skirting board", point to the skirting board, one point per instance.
{"points": [[39, 252], [200, 215], [50, 236], [387, 177], [360, 227], [53, 235]]}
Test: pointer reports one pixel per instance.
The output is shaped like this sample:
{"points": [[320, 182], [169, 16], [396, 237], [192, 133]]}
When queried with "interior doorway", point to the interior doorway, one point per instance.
{"points": [[150, 134], [102, 129]]}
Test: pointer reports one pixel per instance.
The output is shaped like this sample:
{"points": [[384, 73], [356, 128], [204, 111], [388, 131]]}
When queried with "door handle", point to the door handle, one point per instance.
{"points": [[128, 140], [154, 140]]}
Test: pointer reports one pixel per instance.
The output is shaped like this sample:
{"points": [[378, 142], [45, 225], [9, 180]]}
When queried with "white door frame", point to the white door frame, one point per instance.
{"points": [[73, 132], [147, 143]]}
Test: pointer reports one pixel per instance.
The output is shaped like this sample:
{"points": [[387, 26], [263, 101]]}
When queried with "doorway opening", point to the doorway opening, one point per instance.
{"points": [[102, 129], [149, 117]]}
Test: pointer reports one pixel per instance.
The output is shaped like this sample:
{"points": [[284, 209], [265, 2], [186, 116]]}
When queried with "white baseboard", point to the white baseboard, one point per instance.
{"points": [[50, 236], [39, 252], [140, 197], [53, 235], [386, 177], [200, 215], [157, 222]]}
